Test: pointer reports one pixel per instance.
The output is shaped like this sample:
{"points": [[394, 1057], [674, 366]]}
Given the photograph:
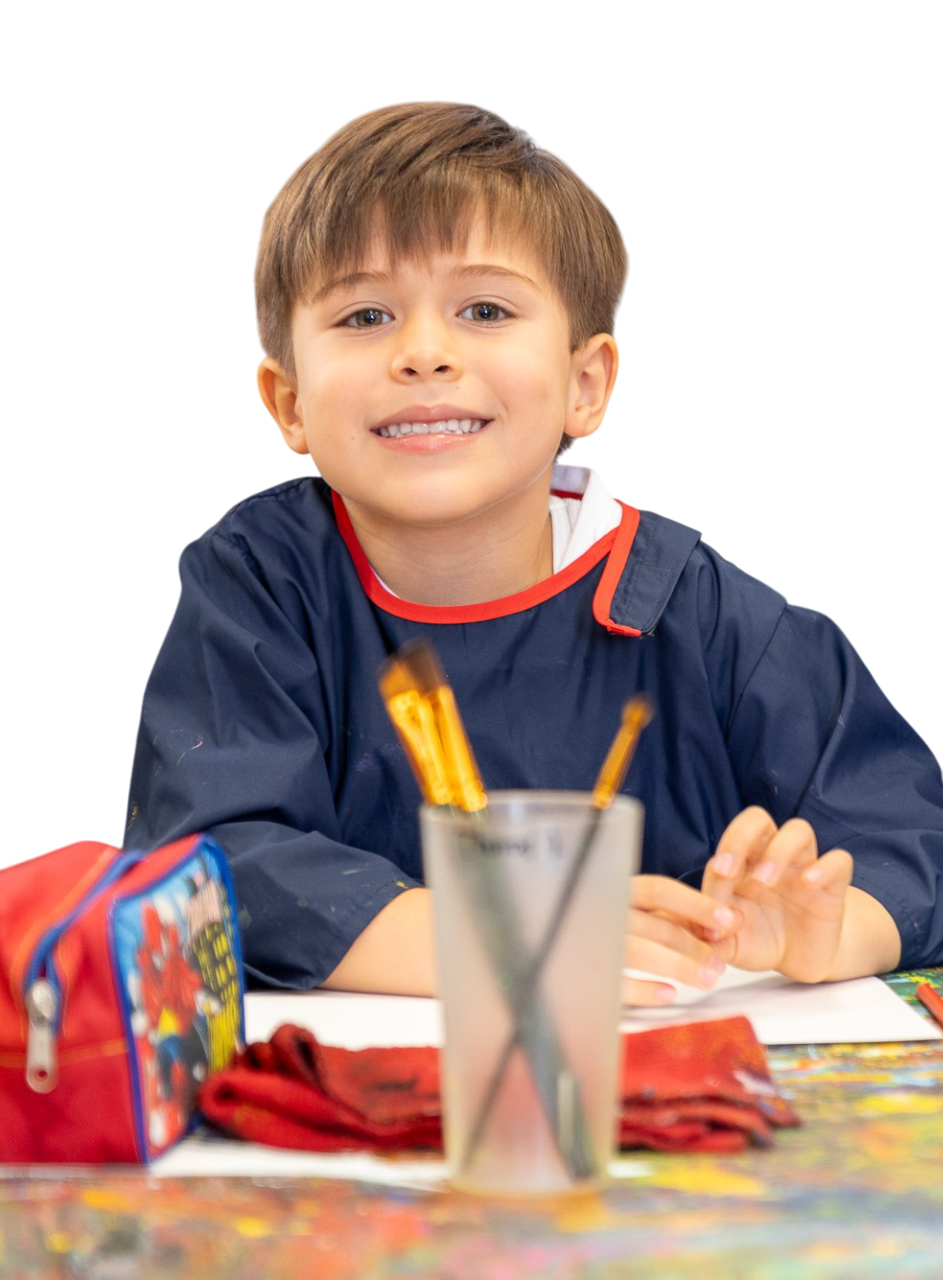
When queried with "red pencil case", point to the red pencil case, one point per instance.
{"points": [[121, 989]]}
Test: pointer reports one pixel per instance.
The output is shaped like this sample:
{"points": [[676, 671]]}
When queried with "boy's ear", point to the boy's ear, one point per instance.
{"points": [[279, 394], [593, 375]]}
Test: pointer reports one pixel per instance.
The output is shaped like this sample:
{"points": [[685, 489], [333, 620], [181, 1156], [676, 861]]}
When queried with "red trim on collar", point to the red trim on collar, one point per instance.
{"points": [[602, 600], [617, 539]]}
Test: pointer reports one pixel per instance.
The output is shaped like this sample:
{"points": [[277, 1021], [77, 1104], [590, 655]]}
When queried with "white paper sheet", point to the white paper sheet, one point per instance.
{"points": [[862, 1011], [209, 1156], [340, 1017]]}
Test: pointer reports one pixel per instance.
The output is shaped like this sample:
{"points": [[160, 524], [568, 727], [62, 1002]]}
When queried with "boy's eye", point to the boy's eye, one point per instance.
{"points": [[367, 318], [484, 312]]}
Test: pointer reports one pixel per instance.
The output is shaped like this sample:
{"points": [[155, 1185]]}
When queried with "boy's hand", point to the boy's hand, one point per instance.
{"points": [[792, 903], [668, 922]]}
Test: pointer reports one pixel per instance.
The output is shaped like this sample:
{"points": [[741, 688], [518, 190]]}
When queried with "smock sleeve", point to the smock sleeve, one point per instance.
{"points": [[811, 735], [232, 741]]}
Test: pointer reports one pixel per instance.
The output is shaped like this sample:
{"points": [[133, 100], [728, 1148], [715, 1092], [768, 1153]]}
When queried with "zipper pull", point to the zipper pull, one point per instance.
{"points": [[42, 1005]]}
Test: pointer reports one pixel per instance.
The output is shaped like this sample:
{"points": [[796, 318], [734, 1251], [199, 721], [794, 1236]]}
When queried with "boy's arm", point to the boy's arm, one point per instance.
{"points": [[869, 942], [811, 736], [395, 954], [798, 912], [231, 742]]}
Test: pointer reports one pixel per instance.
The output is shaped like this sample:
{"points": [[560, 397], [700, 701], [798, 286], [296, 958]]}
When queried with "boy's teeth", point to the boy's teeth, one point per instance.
{"points": [[451, 426]]}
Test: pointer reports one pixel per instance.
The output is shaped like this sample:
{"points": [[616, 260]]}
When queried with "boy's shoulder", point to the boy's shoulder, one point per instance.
{"points": [[288, 520], [273, 534], [667, 567], [305, 500]]}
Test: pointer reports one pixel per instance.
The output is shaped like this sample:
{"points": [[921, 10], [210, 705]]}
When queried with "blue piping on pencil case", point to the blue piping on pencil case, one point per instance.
{"points": [[43, 993], [125, 982], [42, 985], [214, 860]]}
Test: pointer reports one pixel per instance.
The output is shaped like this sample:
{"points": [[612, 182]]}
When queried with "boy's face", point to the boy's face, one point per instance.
{"points": [[431, 392]]}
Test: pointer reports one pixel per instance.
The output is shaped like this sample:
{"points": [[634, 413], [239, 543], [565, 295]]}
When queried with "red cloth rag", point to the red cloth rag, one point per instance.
{"points": [[703, 1086]]}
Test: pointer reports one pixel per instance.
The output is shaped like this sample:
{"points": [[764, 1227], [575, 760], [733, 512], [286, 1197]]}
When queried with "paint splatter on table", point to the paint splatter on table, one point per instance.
{"points": [[857, 1191]]}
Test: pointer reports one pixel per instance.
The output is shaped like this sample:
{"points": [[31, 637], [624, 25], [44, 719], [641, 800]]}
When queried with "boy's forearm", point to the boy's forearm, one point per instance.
{"points": [[870, 942], [394, 955]]}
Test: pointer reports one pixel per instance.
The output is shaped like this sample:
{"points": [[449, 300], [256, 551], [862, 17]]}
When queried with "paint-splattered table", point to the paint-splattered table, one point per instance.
{"points": [[857, 1191]]}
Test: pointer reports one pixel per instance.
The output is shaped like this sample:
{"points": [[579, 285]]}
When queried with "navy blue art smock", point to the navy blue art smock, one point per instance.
{"points": [[262, 722]]}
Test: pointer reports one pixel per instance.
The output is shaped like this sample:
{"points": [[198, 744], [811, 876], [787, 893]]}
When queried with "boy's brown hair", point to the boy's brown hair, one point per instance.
{"points": [[417, 174]]}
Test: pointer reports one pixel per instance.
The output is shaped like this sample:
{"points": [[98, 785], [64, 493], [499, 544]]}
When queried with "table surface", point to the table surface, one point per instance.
{"points": [[857, 1190]]}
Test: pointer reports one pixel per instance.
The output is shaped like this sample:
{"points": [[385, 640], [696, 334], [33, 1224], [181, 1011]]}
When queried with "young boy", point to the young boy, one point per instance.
{"points": [[436, 299]]}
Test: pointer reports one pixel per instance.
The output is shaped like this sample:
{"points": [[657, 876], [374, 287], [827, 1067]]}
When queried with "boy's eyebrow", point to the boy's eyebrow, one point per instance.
{"points": [[492, 269], [384, 277]]}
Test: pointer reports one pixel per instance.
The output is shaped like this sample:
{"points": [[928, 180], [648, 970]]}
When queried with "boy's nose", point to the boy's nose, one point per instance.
{"points": [[426, 351]]}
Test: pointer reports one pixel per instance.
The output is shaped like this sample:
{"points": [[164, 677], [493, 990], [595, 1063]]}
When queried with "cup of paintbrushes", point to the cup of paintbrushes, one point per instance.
{"points": [[530, 906], [636, 714], [424, 712], [530, 939]]}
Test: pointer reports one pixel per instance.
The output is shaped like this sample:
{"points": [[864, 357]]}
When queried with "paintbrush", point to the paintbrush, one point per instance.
{"points": [[422, 706], [635, 716], [425, 715]]}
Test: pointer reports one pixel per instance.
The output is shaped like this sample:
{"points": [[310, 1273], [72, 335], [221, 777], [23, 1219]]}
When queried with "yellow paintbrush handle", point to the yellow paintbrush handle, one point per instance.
{"points": [[635, 716]]}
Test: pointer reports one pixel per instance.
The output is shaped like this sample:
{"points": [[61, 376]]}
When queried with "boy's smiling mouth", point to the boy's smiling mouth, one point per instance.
{"points": [[448, 426], [418, 422]]}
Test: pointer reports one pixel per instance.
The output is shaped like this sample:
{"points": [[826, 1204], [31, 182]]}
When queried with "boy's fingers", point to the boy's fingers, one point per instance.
{"points": [[682, 902], [831, 871], [753, 847], [643, 993], [663, 939], [743, 844], [791, 848], [647, 929], [651, 957], [750, 831]]}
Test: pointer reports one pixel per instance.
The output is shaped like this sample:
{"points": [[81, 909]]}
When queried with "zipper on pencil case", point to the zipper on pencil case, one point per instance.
{"points": [[42, 984]]}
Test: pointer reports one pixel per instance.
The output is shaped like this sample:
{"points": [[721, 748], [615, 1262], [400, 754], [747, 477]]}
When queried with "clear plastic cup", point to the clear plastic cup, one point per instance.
{"points": [[530, 900]]}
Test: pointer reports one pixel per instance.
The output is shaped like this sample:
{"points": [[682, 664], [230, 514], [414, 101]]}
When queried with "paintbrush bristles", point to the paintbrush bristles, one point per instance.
{"points": [[468, 793], [413, 667], [414, 720], [422, 707]]}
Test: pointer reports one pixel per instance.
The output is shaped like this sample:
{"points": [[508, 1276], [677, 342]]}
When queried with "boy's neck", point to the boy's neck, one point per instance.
{"points": [[493, 554]]}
